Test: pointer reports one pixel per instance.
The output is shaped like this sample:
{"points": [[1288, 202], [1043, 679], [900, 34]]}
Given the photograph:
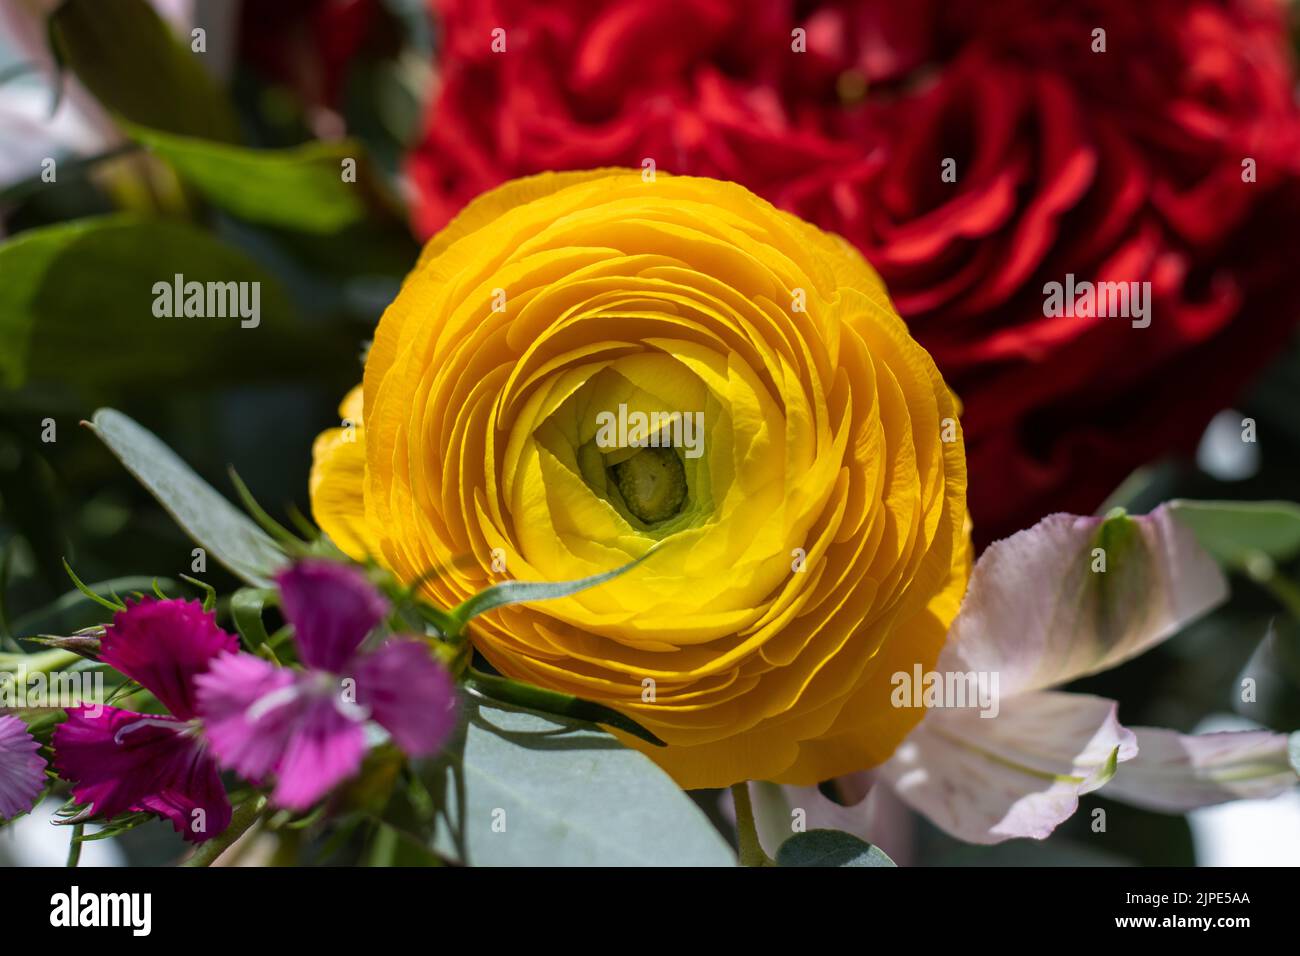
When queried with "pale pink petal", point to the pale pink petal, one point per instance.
{"points": [[1176, 772], [1039, 612], [1018, 774]]}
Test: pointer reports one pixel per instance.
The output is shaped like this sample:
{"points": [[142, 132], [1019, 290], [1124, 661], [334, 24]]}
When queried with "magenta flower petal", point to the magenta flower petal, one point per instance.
{"points": [[325, 749], [268, 721], [332, 608], [164, 645], [195, 800], [249, 709], [122, 761], [22, 772], [113, 760], [409, 693]]}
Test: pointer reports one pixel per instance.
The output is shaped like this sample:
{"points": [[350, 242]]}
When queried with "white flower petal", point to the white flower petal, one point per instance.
{"points": [[1176, 772], [1040, 612], [1019, 774]]}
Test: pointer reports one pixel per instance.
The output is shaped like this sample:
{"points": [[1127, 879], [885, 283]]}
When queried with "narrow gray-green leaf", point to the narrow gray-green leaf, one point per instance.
{"points": [[229, 536], [829, 848], [520, 592], [553, 702], [529, 790]]}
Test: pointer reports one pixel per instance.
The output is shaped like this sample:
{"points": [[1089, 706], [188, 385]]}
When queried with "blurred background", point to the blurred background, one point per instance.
{"points": [[368, 79]]}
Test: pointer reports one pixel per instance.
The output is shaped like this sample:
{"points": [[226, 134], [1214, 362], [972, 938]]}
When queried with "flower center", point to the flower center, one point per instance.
{"points": [[652, 483]]}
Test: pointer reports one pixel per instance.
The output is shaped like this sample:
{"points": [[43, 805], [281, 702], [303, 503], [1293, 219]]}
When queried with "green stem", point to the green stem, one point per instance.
{"points": [[241, 821], [42, 662], [74, 848], [552, 702], [751, 851]]}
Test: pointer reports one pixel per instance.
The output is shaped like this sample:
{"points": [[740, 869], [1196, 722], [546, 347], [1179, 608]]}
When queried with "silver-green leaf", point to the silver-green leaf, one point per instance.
{"points": [[528, 790], [229, 536], [1232, 531], [829, 848]]}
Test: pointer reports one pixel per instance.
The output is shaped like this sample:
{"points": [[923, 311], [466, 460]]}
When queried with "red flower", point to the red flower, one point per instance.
{"points": [[1128, 164]]}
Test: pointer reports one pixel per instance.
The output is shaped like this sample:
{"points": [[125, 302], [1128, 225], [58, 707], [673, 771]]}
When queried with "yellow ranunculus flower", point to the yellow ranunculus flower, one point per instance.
{"points": [[811, 546]]}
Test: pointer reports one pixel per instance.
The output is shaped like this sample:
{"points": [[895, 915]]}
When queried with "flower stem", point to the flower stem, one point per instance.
{"points": [[241, 821], [42, 662], [74, 848], [751, 851]]}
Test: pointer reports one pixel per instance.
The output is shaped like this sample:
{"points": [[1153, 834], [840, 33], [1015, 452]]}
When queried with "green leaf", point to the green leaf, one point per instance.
{"points": [[300, 188], [128, 58], [519, 592], [531, 790], [112, 606], [1293, 750], [209, 592], [829, 848], [77, 308], [259, 514], [212, 521], [58, 614], [1232, 531], [246, 606]]}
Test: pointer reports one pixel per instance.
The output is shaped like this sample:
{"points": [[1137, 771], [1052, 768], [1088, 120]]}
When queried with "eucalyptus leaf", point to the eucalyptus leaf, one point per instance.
{"points": [[829, 848], [299, 188], [127, 56], [524, 790], [1232, 531], [1293, 750], [229, 536]]}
